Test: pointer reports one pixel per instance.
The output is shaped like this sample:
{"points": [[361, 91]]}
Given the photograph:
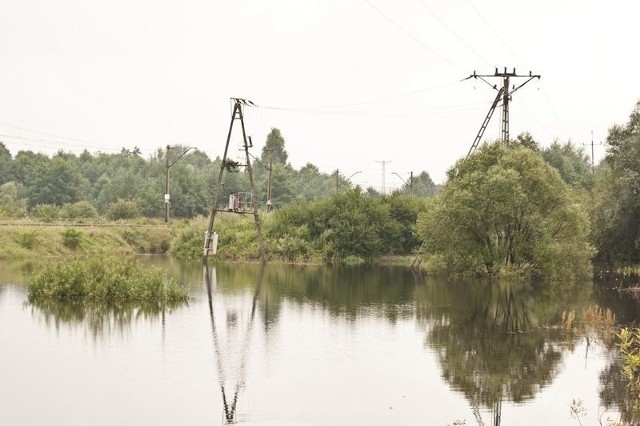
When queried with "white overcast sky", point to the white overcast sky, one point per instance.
{"points": [[354, 81]]}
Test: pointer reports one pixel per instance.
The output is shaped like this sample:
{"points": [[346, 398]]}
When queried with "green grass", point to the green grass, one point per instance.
{"points": [[238, 238], [101, 279], [23, 240]]}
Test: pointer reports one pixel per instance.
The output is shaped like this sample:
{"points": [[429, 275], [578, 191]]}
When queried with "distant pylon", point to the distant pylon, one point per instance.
{"points": [[383, 162], [593, 166]]}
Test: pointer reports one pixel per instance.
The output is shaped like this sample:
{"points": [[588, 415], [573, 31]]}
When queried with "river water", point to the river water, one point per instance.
{"points": [[298, 345]]}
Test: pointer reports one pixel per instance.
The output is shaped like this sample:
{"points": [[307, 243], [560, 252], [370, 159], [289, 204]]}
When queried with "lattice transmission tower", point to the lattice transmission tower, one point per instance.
{"points": [[504, 95]]}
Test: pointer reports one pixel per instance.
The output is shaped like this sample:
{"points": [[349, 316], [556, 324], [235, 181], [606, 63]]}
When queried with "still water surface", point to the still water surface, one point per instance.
{"points": [[291, 345]]}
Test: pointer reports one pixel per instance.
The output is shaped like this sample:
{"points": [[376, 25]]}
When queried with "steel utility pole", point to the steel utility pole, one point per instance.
{"points": [[411, 182], [166, 180], [383, 162], [230, 165], [593, 167], [504, 95]]}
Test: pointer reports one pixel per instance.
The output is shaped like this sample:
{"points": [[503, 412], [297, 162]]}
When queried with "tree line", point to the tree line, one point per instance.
{"points": [[507, 207], [126, 185]]}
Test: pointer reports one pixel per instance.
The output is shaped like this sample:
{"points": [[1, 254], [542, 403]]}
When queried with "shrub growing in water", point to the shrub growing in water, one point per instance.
{"points": [[104, 280], [504, 209], [630, 351]]}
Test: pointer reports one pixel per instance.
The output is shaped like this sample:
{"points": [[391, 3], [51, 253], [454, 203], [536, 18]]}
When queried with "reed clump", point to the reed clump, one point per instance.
{"points": [[104, 280], [629, 344]]}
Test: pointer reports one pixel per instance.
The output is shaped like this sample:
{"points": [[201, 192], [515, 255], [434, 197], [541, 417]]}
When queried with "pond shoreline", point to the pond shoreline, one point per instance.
{"points": [[32, 240], [29, 240]]}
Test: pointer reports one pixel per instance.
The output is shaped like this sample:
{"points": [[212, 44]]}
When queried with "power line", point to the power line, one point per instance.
{"points": [[535, 118], [364, 102], [379, 113], [45, 133], [553, 109], [414, 38], [457, 37], [49, 143], [488, 24]]}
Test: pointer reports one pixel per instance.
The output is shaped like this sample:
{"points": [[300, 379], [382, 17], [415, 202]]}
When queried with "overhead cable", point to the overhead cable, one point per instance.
{"points": [[448, 28], [488, 24], [414, 38]]}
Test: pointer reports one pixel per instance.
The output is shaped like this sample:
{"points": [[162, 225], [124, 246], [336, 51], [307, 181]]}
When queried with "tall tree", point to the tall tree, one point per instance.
{"points": [[5, 164], [571, 161], [312, 184], [26, 165], [506, 209], [13, 201], [274, 146], [422, 185], [59, 182], [617, 208]]}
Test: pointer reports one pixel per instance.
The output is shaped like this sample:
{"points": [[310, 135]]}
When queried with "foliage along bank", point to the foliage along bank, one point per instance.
{"points": [[349, 226], [515, 208], [504, 209], [125, 185]]}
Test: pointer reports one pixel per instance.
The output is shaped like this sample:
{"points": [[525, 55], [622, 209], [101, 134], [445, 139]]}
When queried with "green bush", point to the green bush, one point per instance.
{"points": [[103, 280], [71, 238], [147, 240], [79, 210], [12, 201], [46, 212], [28, 239], [237, 239], [349, 224], [123, 209], [189, 241], [292, 245]]}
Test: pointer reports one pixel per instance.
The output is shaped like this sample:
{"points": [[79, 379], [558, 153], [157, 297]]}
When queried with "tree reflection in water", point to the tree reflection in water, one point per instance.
{"points": [[495, 342], [498, 341]]}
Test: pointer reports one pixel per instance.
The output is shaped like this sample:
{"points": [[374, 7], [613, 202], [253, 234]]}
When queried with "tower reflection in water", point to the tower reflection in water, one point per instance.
{"points": [[231, 330]]}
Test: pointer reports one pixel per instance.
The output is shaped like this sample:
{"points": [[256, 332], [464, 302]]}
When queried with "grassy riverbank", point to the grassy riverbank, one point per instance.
{"points": [[26, 240], [181, 238]]}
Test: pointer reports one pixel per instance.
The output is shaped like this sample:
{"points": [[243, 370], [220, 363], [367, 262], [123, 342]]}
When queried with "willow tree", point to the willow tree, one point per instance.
{"points": [[505, 209]]}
